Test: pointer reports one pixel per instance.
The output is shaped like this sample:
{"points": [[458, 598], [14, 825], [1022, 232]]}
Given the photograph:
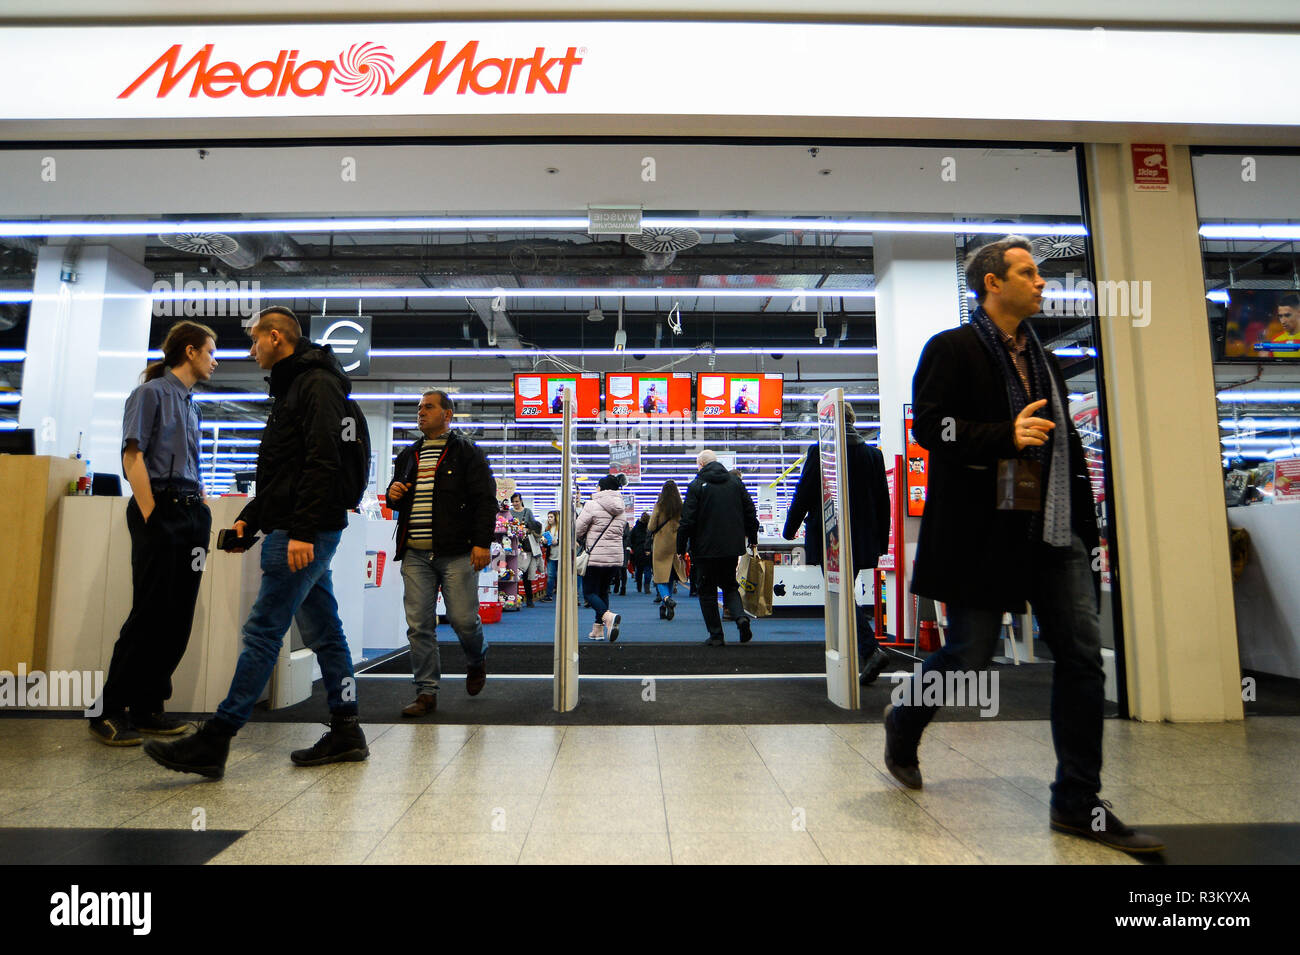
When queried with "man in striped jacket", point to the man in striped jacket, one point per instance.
{"points": [[445, 497]]}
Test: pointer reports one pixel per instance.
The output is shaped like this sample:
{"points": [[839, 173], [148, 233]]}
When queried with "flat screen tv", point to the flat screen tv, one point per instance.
{"points": [[1258, 325]]}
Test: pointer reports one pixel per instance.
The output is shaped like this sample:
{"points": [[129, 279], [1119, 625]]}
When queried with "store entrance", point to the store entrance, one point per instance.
{"points": [[682, 329]]}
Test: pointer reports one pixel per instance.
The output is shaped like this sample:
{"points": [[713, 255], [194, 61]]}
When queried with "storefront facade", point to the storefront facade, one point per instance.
{"points": [[548, 119]]}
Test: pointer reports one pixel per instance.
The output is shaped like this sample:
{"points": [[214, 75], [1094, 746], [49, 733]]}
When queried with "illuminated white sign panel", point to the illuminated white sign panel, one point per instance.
{"points": [[541, 68]]}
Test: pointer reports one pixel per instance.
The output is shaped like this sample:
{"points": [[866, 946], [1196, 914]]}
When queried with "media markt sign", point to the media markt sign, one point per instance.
{"points": [[349, 337], [614, 220]]}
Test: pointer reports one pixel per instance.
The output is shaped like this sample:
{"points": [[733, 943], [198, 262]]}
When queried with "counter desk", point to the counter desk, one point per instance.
{"points": [[91, 597]]}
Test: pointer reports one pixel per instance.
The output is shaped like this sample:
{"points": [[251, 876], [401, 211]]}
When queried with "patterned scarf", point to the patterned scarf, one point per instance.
{"points": [[1055, 454]]}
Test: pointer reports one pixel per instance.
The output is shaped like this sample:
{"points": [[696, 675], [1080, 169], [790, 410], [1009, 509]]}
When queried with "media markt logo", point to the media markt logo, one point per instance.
{"points": [[363, 69]]}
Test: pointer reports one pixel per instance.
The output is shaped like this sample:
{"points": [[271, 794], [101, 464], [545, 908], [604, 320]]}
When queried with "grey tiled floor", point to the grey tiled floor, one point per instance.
{"points": [[813, 794]]}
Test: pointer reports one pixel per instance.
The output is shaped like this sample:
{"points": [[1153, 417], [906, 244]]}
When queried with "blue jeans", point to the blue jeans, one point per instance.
{"points": [[1065, 603], [552, 574], [306, 597], [597, 588], [665, 590], [867, 642], [422, 575]]}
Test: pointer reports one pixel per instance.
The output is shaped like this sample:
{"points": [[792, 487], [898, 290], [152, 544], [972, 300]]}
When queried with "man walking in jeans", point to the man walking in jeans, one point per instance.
{"points": [[300, 507], [445, 498], [1009, 518]]}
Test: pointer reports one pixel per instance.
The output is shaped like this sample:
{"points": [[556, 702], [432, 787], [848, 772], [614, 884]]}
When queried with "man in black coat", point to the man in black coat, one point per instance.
{"points": [[868, 495], [302, 507], [445, 497], [718, 517], [1008, 518]]}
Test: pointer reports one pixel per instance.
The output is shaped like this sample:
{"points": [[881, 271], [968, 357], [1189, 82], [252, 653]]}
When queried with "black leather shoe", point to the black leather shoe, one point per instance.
{"points": [[669, 608], [158, 724], [876, 664], [746, 634], [475, 678], [344, 743], [204, 753], [715, 642], [663, 612], [1098, 823], [900, 756], [114, 731]]}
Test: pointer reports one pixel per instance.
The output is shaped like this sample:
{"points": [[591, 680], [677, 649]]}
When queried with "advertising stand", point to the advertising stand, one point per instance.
{"points": [[841, 625], [566, 587]]}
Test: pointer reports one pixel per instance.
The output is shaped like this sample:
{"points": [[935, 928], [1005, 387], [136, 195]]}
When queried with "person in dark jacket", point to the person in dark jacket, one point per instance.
{"points": [[301, 508], [445, 497], [718, 517], [641, 552], [868, 496], [1008, 518], [529, 563]]}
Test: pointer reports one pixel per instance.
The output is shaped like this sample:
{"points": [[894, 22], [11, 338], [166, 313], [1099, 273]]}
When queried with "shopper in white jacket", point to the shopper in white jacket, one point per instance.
{"points": [[600, 530]]}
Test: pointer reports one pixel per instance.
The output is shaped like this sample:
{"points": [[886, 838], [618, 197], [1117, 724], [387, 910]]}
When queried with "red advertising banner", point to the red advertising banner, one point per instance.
{"points": [[918, 468], [747, 396], [625, 459], [887, 559], [830, 497], [1286, 480], [1150, 167], [537, 396], [631, 395]]}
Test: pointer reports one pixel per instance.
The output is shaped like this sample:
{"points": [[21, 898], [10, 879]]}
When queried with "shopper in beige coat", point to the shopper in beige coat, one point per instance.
{"points": [[663, 528]]}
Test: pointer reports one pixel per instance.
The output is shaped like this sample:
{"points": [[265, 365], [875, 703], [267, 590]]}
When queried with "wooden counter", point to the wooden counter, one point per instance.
{"points": [[30, 489]]}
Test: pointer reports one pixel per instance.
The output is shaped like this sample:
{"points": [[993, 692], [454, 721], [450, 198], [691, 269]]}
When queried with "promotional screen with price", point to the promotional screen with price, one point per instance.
{"points": [[537, 397], [740, 396], [647, 395]]}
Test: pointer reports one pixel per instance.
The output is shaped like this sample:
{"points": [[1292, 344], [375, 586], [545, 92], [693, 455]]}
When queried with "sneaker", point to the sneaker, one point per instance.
{"points": [[344, 743], [475, 678], [597, 632], [204, 752], [611, 621], [746, 634], [158, 724], [900, 756], [114, 731], [876, 664], [425, 703], [1098, 823]]}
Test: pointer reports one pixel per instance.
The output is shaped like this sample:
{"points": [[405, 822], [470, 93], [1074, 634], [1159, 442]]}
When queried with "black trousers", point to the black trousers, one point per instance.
{"points": [[714, 574], [167, 558]]}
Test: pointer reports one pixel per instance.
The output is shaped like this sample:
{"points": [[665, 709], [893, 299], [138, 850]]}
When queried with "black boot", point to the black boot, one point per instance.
{"points": [[344, 743], [204, 753]]}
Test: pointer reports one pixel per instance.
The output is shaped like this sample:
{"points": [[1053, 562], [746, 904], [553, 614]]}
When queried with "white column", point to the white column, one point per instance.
{"points": [[87, 344], [379, 420], [1180, 633], [917, 296]]}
